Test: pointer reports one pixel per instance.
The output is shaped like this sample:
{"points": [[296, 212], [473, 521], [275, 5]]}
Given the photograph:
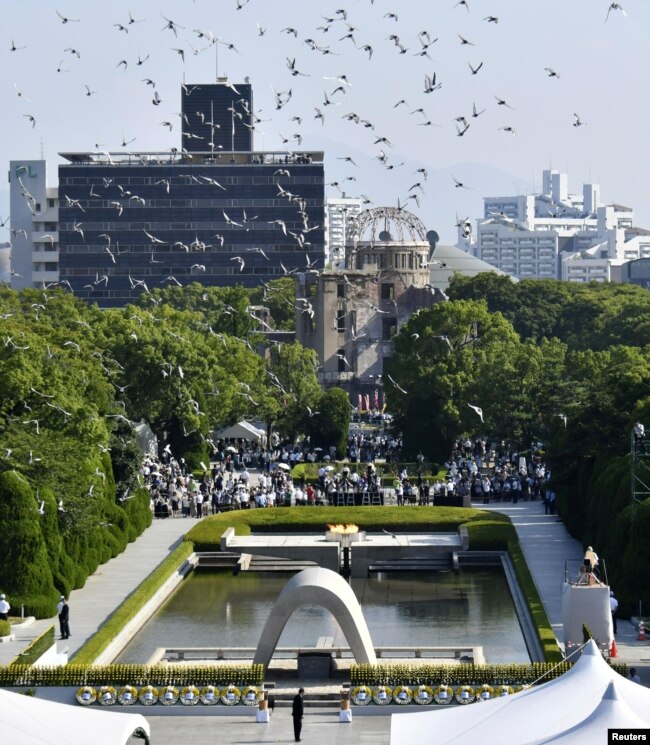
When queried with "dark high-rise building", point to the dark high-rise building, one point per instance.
{"points": [[129, 222], [217, 117]]}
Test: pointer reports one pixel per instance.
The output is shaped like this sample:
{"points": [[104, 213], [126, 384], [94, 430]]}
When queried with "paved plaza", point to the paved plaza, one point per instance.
{"points": [[546, 546]]}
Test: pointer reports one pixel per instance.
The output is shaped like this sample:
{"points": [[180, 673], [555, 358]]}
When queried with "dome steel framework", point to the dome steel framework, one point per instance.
{"points": [[388, 224]]}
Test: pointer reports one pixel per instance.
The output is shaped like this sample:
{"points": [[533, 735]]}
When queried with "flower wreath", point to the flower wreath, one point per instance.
{"points": [[190, 695], [504, 690], [382, 695], [107, 695], [148, 695], [465, 695], [251, 696], [209, 695], [361, 695], [402, 695], [231, 696], [423, 695], [127, 695], [86, 695], [443, 694], [168, 695], [485, 692]]}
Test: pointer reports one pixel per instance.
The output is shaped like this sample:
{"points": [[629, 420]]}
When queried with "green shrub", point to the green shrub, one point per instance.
{"points": [[25, 571], [5, 628], [206, 534], [36, 649]]}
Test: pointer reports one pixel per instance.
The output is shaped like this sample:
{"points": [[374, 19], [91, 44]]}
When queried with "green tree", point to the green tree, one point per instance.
{"points": [[331, 424], [25, 572]]}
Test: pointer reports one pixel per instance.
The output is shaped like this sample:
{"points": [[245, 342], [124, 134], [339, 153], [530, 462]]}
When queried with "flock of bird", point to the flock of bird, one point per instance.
{"points": [[338, 37]]}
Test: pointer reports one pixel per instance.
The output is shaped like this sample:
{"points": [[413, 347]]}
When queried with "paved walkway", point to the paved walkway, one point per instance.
{"points": [[544, 540], [547, 546], [105, 590]]}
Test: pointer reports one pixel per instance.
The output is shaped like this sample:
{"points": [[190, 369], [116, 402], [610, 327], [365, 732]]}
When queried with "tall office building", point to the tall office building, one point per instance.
{"points": [[340, 213], [34, 218], [217, 117], [130, 222]]}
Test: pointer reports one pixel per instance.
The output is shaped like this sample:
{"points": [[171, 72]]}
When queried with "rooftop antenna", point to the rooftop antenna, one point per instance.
{"points": [[42, 150]]}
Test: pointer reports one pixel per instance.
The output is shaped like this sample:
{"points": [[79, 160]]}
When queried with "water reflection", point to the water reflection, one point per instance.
{"points": [[467, 608]]}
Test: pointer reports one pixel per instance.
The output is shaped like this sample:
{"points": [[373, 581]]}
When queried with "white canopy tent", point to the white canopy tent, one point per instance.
{"points": [[34, 721], [532, 716], [241, 431], [611, 713]]}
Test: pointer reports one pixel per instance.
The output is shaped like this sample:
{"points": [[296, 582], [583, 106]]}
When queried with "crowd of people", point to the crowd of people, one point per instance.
{"points": [[475, 469]]}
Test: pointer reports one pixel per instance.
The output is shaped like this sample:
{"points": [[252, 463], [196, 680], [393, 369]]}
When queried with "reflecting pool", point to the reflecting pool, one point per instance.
{"points": [[467, 608]]}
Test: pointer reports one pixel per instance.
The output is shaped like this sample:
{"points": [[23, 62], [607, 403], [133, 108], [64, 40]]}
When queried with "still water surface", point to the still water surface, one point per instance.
{"points": [[467, 608]]}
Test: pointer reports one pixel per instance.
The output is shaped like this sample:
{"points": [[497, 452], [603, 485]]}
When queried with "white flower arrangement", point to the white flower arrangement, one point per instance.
{"points": [[86, 695], [209, 695], [148, 695], [251, 696], [107, 696], [168, 695], [504, 690], [361, 695], [231, 696], [402, 695], [127, 695], [382, 695], [465, 695], [443, 694], [190, 696], [485, 692], [423, 695]]}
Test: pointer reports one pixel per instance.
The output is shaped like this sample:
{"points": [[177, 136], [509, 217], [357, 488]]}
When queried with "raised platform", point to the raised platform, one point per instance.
{"points": [[391, 551]]}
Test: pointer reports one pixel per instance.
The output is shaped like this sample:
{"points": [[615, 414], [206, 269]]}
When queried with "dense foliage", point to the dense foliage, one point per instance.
{"points": [[74, 381], [564, 364]]}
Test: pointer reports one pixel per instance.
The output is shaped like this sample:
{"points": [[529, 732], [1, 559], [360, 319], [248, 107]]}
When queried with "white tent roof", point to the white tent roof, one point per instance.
{"points": [[611, 713], [33, 721], [240, 431], [533, 715]]}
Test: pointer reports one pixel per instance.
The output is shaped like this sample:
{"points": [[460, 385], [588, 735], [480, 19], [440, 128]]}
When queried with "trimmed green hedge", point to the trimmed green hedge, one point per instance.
{"points": [[5, 627], [147, 588], [206, 535], [473, 675], [38, 647], [97, 675]]}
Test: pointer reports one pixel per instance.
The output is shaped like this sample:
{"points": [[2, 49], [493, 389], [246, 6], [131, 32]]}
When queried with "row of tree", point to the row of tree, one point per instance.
{"points": [[564, 364], [74, 381]]}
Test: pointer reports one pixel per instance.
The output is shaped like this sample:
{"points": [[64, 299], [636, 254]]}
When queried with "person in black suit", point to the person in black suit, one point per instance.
{"points": [[64, 618], [297, 713]]}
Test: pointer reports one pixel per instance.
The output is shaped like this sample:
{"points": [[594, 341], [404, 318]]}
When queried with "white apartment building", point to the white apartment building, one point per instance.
{"points": [[339, 216], [556, 235], [34, 225]]}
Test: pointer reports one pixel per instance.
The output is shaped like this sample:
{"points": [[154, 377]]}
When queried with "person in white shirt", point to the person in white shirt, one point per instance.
{"points": [[4, 608], [613, 606]]}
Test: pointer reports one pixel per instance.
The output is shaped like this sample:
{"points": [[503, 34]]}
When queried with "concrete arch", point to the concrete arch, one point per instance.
{"points": [[328, 589]]}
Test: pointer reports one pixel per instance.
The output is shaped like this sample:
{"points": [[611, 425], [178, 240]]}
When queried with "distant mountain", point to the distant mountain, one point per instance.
{"points": [[441, 203]]}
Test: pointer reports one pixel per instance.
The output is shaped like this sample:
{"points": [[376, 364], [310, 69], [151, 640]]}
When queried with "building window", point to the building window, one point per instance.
{"points": [[340, 290], [389, 328], [341, 358], [387, 291], [340, 320]]}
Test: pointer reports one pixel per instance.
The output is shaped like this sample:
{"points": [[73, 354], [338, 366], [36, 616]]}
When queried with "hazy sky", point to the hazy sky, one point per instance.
{"points": [[603, 77]]}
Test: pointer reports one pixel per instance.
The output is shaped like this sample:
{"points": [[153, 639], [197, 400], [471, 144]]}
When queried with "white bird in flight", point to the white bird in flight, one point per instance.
{"points": [[477, 409]]}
